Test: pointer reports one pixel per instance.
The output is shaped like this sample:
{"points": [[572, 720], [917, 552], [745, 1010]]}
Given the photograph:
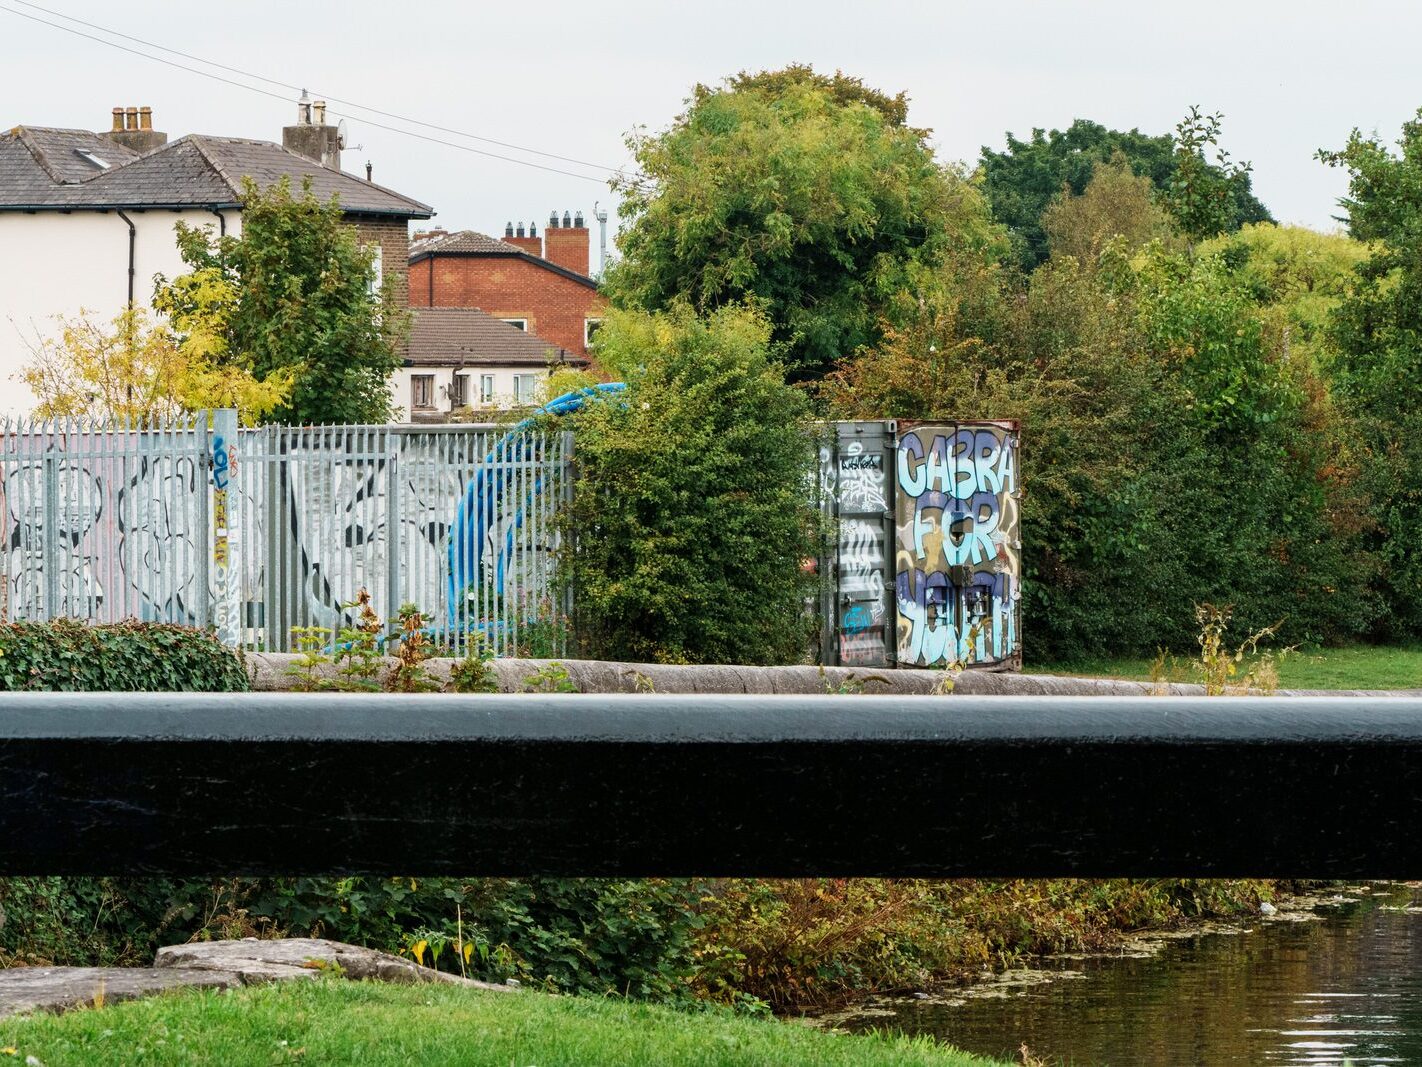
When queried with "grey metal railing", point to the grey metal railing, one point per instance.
{"points": [[257, 531]]}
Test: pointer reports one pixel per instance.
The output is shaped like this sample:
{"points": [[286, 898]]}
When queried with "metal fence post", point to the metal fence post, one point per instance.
{"points": [[226, 528], [392, 523], [52, 562]]}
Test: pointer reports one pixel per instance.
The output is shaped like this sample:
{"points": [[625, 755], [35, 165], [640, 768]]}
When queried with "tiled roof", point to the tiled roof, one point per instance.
{"points": [[467, 336], [43, 169], [463, 241]]}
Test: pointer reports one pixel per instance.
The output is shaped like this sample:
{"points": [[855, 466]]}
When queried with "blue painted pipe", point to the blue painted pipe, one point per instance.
{"points": [[478, 507]]}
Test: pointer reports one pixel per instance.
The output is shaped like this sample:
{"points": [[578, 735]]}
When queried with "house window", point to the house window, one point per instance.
{"points": [[422, 391], [486, 388], [459, 391], [525, 385], [518, 324], [377, 271], [590, 328]]}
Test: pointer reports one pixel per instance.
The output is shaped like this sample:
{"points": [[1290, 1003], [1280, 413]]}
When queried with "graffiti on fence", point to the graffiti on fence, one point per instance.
{"points": [[100, 524], [958, 549]]}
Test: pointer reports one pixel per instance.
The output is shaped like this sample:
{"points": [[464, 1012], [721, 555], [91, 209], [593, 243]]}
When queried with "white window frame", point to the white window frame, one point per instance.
{"points": [[486, 388], [427, 381], [517, 324], [377, 278], [526, 395]]}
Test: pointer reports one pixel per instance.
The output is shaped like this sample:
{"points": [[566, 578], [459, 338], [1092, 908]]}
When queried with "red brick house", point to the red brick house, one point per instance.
{"points": [[537, 284]]}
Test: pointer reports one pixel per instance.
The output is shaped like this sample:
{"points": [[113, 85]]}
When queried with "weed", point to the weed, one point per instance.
{"points": [[850, 684], [310, 642], [409, 674], [553, 678], [1223, 671], [475, 672], [641, 683], [359, 654]]}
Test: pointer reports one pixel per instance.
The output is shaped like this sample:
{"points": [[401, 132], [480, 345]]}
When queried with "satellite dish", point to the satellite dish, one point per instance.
{"points": [[341, 134]]}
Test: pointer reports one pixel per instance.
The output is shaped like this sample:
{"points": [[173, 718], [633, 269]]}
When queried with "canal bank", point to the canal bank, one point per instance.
{"points": [[1338, 982]]}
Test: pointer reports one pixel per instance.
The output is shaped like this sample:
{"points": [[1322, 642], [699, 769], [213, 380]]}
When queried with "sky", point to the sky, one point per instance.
{"points": [[573, 79]]}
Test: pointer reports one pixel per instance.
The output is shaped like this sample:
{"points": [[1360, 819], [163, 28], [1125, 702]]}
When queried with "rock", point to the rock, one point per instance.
{"points": [[302, 957], [58, 988]]}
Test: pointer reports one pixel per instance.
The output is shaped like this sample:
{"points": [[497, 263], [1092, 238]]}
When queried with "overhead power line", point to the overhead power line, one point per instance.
{"points": [[607, 171]]}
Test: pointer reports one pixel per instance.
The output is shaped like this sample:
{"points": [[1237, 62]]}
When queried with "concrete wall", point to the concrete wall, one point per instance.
{"points": [[55, 264], [269, 673]]}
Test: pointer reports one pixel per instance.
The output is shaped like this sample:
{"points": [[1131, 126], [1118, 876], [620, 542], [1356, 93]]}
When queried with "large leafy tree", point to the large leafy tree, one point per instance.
{"points": [[1024, 178], [691, 515], [804, 193], [1377, 331], [292, 299], [132, 369]]}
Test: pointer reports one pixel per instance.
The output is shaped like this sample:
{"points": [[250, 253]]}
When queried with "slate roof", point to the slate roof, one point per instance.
{"points": [[464, 241], [445, 337], [42, 169]]}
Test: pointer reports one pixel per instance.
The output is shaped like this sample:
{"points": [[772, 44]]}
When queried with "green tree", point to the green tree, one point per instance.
{"points": [[1204, 196], [804, 193], [691, 515], [1377, 331], [292, 298], [1026, 176], [1117, 205]]}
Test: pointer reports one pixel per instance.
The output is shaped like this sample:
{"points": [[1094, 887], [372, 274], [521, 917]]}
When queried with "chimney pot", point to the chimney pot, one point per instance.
{"points": [[553, 220], [532, 230], [118, 120], [519, 231], [130, 118], [319, 108], [578, 219], [303, 110], [369, 170], [145, 118], [567, 220], [508, 229]]}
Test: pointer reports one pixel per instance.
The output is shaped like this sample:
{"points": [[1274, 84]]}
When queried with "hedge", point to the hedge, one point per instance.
{"points": [[149, 657]]}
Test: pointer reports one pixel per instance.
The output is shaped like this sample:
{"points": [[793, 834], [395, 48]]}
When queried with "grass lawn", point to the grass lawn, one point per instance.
{"points": [[1352, 667], [334, 1021]]}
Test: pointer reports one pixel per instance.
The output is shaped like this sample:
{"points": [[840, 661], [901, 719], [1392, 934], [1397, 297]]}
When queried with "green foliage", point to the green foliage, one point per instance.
{"points": [[808, 942], [1118, 207], [1204, 196], [129, 656], [1172, 444], [553, 678], [1377, 331], [475, 672], [1021, 181], [805, 194], [690, 516], [292, 299]]}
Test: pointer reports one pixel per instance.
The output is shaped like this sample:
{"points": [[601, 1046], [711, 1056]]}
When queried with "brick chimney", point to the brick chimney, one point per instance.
{"points": [[566, 243], [133, 128], [528, 241], [311, 137]]}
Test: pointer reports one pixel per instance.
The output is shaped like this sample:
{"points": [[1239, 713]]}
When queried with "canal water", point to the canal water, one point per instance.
{"points": [[1341, 987]]}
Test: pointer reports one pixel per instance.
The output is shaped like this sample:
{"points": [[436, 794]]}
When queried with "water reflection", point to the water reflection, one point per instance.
{"points": [[1344, 990]]}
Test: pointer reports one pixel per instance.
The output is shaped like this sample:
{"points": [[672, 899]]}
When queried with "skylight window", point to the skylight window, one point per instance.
{"points": [[102, 164]]}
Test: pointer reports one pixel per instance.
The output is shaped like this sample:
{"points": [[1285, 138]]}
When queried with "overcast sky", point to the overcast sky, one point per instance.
{"points": [[572, 79]]}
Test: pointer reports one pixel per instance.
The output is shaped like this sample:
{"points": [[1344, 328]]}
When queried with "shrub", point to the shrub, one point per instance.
{"points": [[149, 657], [691, 515]]}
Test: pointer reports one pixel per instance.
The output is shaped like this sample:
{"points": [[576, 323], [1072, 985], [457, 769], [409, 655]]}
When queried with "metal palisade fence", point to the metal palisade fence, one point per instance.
{"points": [[259, 531]]}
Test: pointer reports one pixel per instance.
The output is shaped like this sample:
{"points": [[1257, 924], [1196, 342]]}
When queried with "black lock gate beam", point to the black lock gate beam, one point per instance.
{"points": [[642, 785]]}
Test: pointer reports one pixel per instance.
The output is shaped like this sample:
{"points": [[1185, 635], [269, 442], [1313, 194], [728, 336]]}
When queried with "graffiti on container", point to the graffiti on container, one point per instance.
{"points": [[861, 479], [958, 548], [863, 559]]}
